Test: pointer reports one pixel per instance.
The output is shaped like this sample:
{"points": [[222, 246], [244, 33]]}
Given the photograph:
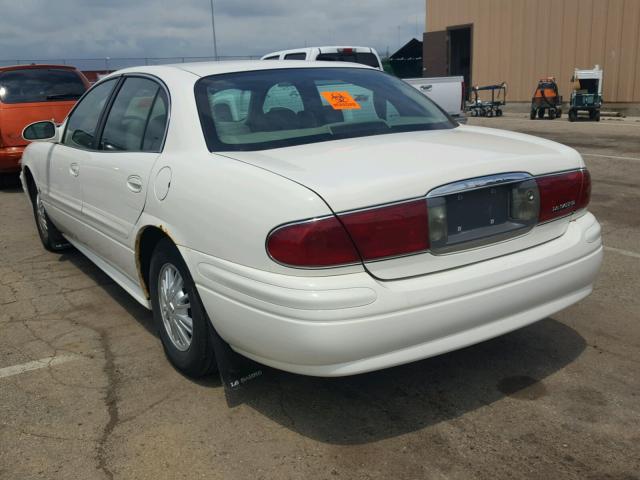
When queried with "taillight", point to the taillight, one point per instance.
{"points": [[388, 231], [585, 191], [563, 193], [315, 243]]}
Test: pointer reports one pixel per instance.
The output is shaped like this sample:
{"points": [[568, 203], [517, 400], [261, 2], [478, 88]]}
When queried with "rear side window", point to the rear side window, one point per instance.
{"points": [[272, 57], [364, 58], [40, 85], [137, 112], [83, 121], [296, 56]]}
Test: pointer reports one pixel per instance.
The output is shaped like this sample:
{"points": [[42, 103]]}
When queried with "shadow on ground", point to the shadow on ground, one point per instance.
{"points": [[374, 406], [370, 407]]}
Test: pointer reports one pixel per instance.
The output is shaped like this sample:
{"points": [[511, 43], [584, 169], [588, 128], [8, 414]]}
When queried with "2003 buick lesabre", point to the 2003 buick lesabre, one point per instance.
{"points": [[323, 219]]}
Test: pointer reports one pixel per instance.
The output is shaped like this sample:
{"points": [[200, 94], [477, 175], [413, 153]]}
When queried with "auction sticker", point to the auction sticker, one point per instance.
{"points": [[341, 100]]}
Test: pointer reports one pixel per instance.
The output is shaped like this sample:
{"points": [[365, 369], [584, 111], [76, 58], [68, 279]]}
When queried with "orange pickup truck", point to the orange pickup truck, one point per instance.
{"points": [[29, 93]]}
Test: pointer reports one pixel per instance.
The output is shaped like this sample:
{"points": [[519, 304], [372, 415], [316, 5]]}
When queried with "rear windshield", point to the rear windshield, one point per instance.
{"points": [[40, 85], [279, 108], [355, 57]]}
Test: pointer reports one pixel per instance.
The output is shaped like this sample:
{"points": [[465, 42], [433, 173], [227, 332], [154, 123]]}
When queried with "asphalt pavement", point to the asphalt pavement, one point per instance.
{"points": [[86, 393]]}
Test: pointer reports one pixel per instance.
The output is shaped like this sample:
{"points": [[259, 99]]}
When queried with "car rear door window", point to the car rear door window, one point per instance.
{"points": [[83, 121], [40, 85], [296, 56], [157, 124], [127, 121]]}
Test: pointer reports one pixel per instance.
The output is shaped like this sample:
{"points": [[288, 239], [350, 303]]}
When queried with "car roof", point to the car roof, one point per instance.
{"points": [[36, 67], [203, 69], [327, 47]]}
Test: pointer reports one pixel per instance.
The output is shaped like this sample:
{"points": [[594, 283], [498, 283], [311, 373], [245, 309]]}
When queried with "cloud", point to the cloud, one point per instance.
{"points": [[80, 29]]}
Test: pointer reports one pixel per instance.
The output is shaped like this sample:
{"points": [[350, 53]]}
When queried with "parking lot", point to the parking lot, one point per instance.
{"points": [[86, 393]]}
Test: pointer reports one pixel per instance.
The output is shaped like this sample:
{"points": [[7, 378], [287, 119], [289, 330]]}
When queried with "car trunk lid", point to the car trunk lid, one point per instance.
{"points": [[370, 171]]}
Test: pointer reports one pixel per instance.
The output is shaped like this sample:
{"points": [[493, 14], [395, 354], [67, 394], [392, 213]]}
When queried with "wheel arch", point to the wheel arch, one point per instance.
{"points": [[30, 182], [146, 240]]}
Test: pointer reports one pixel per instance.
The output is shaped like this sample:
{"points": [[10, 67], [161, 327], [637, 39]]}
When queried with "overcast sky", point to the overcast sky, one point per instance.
{"points": [[56, 29]]}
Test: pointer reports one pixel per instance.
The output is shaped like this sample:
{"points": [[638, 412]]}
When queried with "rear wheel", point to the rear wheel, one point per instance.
{"points": [[541, 113], [559, 113], [498, 112], [178, 313], [573, 115], [552, 114], [597, 116], [532, 114]]}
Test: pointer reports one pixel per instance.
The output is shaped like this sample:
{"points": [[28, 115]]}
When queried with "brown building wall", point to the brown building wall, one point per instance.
{"points": [[520, 41]]}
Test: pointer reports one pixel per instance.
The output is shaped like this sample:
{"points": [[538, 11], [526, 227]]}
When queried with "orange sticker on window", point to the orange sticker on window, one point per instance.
{"points": [[341, 100]]}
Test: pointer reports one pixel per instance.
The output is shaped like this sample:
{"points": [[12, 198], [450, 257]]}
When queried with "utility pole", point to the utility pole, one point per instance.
{"points": [[213, 33]]}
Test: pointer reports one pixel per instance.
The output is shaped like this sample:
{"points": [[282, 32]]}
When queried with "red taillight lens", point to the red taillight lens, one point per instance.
{"points": [[563, 194], [585, 192], [389, 231], [382, 232], [317, 243]]}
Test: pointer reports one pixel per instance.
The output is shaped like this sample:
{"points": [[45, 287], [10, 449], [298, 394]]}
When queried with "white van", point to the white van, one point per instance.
{"points": [[363, 55]]}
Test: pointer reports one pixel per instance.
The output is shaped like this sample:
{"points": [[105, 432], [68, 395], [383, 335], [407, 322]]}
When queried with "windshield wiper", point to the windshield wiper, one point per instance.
{"points": [[58, 96]]}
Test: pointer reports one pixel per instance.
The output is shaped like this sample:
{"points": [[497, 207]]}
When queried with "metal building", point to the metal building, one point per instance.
{"points": [[521, 41]]}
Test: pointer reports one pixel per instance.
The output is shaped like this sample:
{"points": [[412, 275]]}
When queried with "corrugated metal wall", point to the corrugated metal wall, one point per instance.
{"points": [[520, 41]]}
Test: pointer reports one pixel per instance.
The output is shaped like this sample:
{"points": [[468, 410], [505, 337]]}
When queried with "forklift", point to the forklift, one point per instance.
{"points": [[587, 93], [546, 99]]}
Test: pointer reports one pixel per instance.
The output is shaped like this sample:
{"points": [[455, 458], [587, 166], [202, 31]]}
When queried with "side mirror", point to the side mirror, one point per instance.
{"points": [[45, 130]]}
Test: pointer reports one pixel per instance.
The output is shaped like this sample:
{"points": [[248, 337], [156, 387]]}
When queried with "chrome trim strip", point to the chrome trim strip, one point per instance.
{"points": [[477, 183]]}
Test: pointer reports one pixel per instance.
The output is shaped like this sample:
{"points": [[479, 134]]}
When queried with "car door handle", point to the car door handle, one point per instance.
{"points": [[74, 169], [134, 183], [426, 88]]}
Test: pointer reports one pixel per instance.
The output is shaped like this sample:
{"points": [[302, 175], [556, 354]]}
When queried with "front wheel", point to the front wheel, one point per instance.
{"points": [[573, 115], [178, 313], [532, 114]]}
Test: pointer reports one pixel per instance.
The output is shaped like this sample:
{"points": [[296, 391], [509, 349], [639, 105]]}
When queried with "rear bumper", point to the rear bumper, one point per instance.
{"points": [[348, 324], [10, 159]]}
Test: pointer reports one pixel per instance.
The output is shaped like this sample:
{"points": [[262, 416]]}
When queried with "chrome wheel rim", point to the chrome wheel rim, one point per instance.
{"points": [[41, 216], [175, 307]]}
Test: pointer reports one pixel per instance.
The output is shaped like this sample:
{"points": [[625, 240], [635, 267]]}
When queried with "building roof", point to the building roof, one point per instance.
{"points": [[412, 50]]}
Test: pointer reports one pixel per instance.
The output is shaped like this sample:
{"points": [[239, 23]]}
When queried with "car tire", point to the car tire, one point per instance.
{"points": [[51, 238], [559, 113], [178, 313], [573, 116], [532, 114], [541, 113]]}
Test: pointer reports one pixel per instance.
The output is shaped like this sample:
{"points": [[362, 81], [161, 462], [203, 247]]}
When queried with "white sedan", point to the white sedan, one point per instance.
{"points": [[324, 219]]}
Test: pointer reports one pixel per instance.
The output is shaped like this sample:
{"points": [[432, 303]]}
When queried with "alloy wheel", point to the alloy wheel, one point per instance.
{"points": [[175, 308]]}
